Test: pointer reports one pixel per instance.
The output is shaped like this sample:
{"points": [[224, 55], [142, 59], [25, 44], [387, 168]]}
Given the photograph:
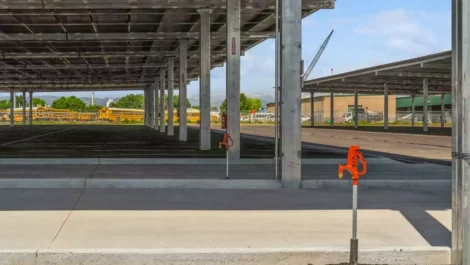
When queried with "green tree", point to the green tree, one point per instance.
{"points": [[130, 101], [4, 104], [19, 101], [176, 103], [246, 104], [94, 108], [196, 107], [38, 102], [71, 103]]}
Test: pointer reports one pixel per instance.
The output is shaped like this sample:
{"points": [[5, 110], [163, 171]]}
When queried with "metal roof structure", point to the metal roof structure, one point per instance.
{"points": [[75, 45], [403, 77]]}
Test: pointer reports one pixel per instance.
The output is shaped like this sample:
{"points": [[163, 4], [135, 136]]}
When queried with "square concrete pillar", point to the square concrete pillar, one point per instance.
{"points": [[385, 106], [205, 79], [152, 105], [155, 99], [233, 76], [332, 109], [425, 104], [171, 83], [31, 108], [24, 108], [12, 107], [291, 40], [145, 107], [356, 113], [312, 108], [183, 92], [413, 112], [443, 113], [162, 100]]}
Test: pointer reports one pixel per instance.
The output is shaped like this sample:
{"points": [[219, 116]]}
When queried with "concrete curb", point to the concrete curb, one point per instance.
{"points": [[184, 183], [49, 161], [183, 161], [28, 183], [317, 256], [379, 184]]}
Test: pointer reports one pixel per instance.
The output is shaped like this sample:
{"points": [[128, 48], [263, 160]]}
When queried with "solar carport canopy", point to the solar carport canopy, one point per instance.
{"points": [[404, 77], [60, 45]]}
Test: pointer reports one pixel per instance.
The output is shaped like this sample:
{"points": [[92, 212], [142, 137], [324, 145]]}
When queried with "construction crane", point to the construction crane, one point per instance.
{"points": [[317, 57]]}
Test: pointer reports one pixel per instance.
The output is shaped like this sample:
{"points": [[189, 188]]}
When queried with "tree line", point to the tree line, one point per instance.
{"points": [[37, 102]]}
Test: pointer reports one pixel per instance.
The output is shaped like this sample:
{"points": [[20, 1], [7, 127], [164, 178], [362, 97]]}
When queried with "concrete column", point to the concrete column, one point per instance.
{"points": [[458, 135], [155, 100], [443, 113], [24, 108], [205, 79], [291, 39], [162, 100], [425, 104], [145, 107], [31, 108], [183, 130], [332, 109], [171, 83], [12, 107], [356, 113], [413, 114], [152, 105], [233, 75], [385, 106], [312, 108]]}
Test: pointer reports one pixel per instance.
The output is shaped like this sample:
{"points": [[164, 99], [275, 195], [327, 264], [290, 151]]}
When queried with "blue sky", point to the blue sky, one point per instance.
{"points": [[367, 33]]}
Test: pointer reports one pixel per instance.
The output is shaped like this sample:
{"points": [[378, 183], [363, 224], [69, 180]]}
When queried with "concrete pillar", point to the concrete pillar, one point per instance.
{"points": [[425, 104], [312, 108], [31, 108], [156, 108], [443, 113], [145, 107], [152, 105], [233, 75], [332, 109], [356, 112], [205, 79], [171, 83], [291, 39], [12, 107], [413, 113], [385, 106], [24, 108], [162, 100], [183, 130], [458, 134]]}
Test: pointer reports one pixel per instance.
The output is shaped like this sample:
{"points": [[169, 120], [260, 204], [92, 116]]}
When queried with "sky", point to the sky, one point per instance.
{"points": [[367, 33]]}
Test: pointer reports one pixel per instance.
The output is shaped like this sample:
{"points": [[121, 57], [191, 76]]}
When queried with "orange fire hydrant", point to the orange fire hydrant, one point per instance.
{"points": [[354, 156], [227, 142]]}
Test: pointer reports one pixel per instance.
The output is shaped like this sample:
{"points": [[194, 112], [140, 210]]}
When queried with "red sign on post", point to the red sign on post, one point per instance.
{"points": [[234, 48], [253, 112]]}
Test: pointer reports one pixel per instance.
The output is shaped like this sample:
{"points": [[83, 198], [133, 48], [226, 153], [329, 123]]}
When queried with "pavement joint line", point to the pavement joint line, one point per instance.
{"points": [[67, 218], [391, 133], [34, 137]]}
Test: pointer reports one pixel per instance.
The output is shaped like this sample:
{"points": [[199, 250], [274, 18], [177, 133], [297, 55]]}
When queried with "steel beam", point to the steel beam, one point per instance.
{"points": [[87, 66], [204, 80], [121, 54], [416, 75], [233, 76], [57, 6], [171, 66], [425, 104], [291, 39], [117, 36], [162, 100], [183, 93]]}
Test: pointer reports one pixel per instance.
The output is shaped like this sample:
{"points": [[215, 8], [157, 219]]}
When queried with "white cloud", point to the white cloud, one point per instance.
{"points": [[403, 31]]}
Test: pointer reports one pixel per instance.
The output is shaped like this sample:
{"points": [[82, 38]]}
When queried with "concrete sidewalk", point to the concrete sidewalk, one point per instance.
{"points": [[87, 226]]}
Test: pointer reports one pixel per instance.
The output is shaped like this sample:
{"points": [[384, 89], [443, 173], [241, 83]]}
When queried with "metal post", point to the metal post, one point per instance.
{"points": [[157, 109], [413, 114], [162, 100], [12, 107], [205, 79], [183, 93], [354, 240], [171, 83], [457, 132], [233, 76], [332, 109], [31, 108], [312, 108], [443, 113], [464, 156], [291, 28], [356, 113], [385, 106], [24, 108], [425, 104]]}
